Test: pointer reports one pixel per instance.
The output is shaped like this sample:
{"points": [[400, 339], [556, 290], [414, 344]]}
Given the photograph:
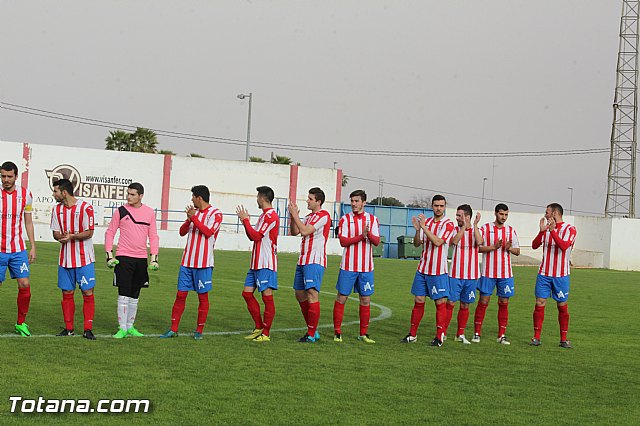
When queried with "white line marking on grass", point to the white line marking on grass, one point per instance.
{"points": [[385, 313]]}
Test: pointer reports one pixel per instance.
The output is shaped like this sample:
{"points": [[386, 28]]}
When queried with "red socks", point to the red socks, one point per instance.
{"points": [[203, 311], [463, 317], [68, 310], [88, 311], [416, 317], [314, 317], [365, 315], [269, 313], [563, 320], [304, 307], [478, 318], [538, 319], [254, 308], [448, 317], [178, 309], [441, 319], [24, 298], [503, 317], [338, 314]]}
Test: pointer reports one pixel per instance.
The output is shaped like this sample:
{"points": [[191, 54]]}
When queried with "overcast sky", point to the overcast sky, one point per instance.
{"points": [[433, 76]]}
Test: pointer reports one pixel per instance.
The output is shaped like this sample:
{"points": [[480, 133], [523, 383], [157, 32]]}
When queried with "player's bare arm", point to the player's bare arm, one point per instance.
{"points": [[435, 240], [417, 239], [297, 227], [28, 224], [80, 236], [294, 212], [513, 250], [476, 230], [487, 249]]}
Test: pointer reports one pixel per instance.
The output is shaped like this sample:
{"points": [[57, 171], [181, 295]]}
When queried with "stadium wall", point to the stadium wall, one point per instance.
{"points": [[102, 177]]}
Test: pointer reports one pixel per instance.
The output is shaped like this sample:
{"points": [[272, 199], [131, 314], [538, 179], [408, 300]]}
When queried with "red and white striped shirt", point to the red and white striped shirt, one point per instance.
{"points": [[434, 259], [358, 257], [313, 248], [465, 263], [265, 250], [75, 219], [13, 206], [555, 260], [202, 230], [497, 263]]}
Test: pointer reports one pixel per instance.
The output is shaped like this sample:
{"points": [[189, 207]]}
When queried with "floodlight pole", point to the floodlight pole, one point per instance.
{"points": [[250, 96]]}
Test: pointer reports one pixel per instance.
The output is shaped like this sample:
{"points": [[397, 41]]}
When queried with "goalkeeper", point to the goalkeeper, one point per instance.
{"points": [[137, 224]]}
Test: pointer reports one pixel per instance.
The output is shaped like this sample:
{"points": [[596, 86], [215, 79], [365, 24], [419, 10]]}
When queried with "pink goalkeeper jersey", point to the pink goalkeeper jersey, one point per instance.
{"points": [[465, 263], [198, 252], [14, 205], [73, 220], [434, 259], [313, 247], [555, 261], [497, 263], [136, 224]]}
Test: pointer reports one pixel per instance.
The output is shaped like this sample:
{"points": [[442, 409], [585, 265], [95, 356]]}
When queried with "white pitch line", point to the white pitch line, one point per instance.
{"points": [[385, 313]]}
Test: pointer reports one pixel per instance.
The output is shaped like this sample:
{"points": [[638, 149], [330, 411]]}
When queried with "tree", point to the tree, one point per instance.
{"points": [[257, 160], [118, 140], [345, 180], [281, 159], [145, 140], [420, 201], [387, 201], [142, 140]]}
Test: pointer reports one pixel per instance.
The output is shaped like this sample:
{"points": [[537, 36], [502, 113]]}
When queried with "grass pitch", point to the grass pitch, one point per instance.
{"points": [[226, 379]]}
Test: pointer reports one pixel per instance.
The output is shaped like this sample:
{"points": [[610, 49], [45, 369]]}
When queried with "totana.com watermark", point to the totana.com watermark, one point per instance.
{"points": [[41, 405]]}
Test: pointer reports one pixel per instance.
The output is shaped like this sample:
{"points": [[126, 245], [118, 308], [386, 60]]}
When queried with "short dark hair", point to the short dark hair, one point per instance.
{"points": [[64, 185], [556, 207], [8, 166], [137, 186], [201, 191], [466, 208], [359, 193], [501, 206], [438, 197], [266, 192], [318, 194]]}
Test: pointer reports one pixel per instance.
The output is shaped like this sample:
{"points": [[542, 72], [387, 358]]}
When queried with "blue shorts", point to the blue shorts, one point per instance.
{"points": [[360, 282], [505, 286], [196, 279], [18, 264], [462, 290], [434, 286], [308, 276], [84, 276], [556, 287], [262, 279]]}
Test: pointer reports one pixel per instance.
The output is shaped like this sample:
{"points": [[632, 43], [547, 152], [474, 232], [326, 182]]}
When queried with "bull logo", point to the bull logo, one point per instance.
{"points": [[64, 171]]}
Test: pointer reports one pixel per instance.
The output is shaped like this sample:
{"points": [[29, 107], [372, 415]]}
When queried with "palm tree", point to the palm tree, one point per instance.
{"points": [[118, 140], [257, 160], [345, 180], [145, 140], [281, 159]]}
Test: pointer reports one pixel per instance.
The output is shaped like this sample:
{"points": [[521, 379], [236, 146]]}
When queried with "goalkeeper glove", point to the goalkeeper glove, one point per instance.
{"points": [[153, 265], [111, 261]]}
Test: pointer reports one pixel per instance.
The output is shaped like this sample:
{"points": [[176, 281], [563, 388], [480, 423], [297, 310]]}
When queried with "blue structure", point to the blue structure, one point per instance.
{"points": [[394, 222]]}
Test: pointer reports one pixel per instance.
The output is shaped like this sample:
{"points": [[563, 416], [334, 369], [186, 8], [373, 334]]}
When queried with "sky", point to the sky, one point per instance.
{"points": [[429, 76]]}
